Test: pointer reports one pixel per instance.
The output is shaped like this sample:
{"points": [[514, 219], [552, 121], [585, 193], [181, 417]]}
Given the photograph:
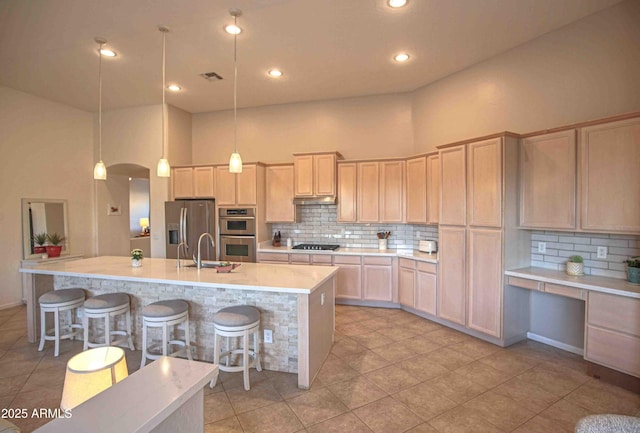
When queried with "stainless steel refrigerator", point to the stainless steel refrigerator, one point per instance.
{"points": [[185, 221]]}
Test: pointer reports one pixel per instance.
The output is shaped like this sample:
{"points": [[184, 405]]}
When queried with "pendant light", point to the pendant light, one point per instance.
{"points": [[235, 162], [164, 169], [99, 170]]}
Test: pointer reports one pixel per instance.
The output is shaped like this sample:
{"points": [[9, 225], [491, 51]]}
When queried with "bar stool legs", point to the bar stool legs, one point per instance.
{"points": [[104, 307], [55, 302], [165, 314]]}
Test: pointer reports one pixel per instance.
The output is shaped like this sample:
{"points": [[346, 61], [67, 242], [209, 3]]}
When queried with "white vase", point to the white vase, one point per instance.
{"points": [[136, 263], [382, 244], [575, 268]]}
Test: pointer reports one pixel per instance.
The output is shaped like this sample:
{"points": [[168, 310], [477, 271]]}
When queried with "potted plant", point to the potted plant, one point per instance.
{"points": [[633, 270], [136, 258], [39, 239], [575, 265], [55, 245]]}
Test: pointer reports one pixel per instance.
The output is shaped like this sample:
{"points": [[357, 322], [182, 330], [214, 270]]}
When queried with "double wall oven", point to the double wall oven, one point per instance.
{"points": [[237, 234]]}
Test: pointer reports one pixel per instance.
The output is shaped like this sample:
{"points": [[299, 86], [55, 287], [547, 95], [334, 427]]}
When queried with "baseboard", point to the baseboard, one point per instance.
{"points": [[11, 305], [555, 343], [360, 303]]}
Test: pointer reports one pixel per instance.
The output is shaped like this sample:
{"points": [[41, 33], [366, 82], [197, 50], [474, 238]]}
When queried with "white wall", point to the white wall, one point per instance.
{"points": [[138, 204], [47, 152], [587, 70], [113, 233]]}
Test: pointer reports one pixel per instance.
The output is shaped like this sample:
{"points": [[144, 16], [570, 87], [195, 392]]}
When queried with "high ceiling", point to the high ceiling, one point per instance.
{"points": [[327, 49]]}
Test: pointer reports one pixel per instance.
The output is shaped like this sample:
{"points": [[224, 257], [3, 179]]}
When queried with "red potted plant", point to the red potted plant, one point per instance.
{"points": [[55, 245], [39, 239]]}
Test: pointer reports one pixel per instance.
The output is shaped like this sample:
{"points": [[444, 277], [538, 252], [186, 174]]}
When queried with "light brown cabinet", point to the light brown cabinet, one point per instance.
{"points": [[380, 191], [368, 192], [349, 278], [315, 174], [548, 181], [452, 267], [392, 191], [453, 199], [279, 194], [426, 285], [416, 187], [347, 192], [406, 282], [238, 189], [377, 275], [193, 182], [610, 161], [484, 177], [433, 188]]}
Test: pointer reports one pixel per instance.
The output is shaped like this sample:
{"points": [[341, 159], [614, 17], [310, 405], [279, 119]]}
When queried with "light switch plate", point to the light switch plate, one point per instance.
{"points": [[602, 252], [542, 247], [268, 336]]}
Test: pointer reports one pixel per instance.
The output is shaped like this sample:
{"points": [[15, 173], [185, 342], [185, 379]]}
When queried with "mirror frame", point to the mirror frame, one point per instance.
{"points": [[26, 229]]}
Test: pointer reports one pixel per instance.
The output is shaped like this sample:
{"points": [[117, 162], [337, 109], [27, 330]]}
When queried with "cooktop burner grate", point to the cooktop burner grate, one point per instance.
{"points": [[320, 247]]}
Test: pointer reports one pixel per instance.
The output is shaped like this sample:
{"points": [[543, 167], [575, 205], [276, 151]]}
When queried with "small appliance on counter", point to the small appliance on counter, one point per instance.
{"points": [[428, 247]]}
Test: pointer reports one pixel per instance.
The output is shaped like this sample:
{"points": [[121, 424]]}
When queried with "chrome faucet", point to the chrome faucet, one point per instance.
{"points": [[213, 244], [181, 245]]}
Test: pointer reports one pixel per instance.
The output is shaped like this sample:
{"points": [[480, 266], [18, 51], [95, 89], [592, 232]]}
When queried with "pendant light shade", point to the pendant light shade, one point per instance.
{"points": [[164, 169], [235, 161], [100, 170]]}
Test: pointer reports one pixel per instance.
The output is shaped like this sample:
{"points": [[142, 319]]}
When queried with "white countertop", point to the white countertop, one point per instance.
{"points": [[249, 276], [140, 402], [613, 286], [343, 251]]}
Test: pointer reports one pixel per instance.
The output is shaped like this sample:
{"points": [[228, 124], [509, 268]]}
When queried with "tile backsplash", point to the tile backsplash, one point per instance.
{"points": [[562, 245], [318, 224]]}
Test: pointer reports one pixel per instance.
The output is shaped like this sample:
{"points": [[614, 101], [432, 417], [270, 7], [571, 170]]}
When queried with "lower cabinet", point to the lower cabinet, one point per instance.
{"points": [[406, 282], [377, 274], [349, 279], [425, 288], [451, 274]]}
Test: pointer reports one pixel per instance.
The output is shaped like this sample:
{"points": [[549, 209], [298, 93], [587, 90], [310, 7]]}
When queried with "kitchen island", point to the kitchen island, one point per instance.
{"points": [[296, 302]]}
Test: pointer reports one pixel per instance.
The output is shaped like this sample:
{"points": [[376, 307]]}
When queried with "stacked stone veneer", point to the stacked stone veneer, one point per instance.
{"points": [[318, 224], [278, 313], [562, 245]]}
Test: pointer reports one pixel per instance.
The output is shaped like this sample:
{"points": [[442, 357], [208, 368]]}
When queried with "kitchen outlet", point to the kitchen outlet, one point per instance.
{"points": [[321, 298], [542, 247], [268, 336], [602, 252]]}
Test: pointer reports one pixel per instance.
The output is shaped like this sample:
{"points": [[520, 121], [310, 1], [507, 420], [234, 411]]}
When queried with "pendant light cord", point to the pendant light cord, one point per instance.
{"points": [[100, 103], [164, 37], [235, 87]]}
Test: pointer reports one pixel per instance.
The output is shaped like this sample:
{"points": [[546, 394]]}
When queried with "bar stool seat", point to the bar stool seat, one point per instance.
{"points": [[165, 314], [57, 301], [237, 321], [104, 307]]}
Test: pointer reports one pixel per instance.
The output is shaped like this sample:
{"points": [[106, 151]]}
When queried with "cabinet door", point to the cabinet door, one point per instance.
{"points": [[247, 186], [183, 182], [406, 286], [378, 278], [349, 282], [203, 182], [451, 274], [303, 166], [416, 187], [433, 189], [347, 182], [453, 206], [484, 174], [426, 283], [391, 191], [610, 161], [484, 305], [279, 200], [548, 181], [225, 186], [368, 192], [324, 175]]}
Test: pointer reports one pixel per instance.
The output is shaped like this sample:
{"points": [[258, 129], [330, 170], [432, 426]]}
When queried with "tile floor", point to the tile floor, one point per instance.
{"points": [[389, 371]]}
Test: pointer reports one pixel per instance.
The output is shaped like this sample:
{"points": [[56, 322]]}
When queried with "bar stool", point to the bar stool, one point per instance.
{"points": [[163, 314], [239, 321], [104, 307], [55, 302]]}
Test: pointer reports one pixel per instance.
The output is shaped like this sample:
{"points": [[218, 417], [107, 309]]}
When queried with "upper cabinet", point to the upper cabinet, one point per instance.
{"points": [[453, 205], [279, 194], [193, 182], [548, 181], [368, 192], [416, 188], [433, 188], [238, 189], [392, 191], [484, 178], [347, 192], [315, 174], [610, 166]]}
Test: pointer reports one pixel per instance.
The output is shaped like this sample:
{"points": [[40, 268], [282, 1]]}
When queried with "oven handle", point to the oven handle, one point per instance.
{"points": [[237, 237], [236, 218]]}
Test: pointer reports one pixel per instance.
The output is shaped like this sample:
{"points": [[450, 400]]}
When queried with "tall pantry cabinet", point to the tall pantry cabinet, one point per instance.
{"points": [[478, 235]]}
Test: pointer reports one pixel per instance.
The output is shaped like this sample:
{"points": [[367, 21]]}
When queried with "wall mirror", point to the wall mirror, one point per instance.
{"points": [[43, 216]]}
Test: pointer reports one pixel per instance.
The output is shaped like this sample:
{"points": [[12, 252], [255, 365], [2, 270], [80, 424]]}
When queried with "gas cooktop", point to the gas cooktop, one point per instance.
{"points": [[325, 247]]}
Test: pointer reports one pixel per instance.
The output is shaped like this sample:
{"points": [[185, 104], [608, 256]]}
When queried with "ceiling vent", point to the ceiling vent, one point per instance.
{"points": [[211, 76]]}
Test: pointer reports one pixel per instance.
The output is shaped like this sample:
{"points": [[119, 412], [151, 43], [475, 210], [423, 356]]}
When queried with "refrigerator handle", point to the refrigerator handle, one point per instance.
{"points": [[180, 227], [184, 227]]}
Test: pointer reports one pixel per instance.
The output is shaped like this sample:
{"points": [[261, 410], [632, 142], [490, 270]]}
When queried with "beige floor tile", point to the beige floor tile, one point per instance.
{"points": [[287, 384], [43, 380], [217, 407], [424, 326], [11, 368], [554, 382], [353, 328], [395, 351], [425, 400], [397, 333], [335, 369], [228, 425], [448, 358], [507, 362], [275, 418], [12, 385], [377, 323], [236, 380], [484, 375], [528, 394], [423, 368], [446, 336], [457, 387], [387, 416], [366, 361], [392, 379], [258, 396], [423, 428], [534, 351], [38, 399], [562, 414], [373, 339], [357, 392], [5, 400], [475, 348], [501, 411], [463, 420], [344, 423], [316, 406], [537, 425], [600, 397], [420, 345], [346, 346]]}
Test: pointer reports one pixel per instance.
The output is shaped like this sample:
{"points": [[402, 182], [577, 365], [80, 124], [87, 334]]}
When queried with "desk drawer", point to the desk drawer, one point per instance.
{"points": [[614, 350], [524, 283], [614, 312], [569, 292]]}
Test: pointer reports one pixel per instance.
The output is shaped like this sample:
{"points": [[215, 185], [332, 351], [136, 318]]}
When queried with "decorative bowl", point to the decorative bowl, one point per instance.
{"points": [[226, 267]]}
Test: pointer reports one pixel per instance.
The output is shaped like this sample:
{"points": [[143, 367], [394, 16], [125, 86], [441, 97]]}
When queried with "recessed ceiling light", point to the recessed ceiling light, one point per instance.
{"points": [[275, 73], [174, 88], [402, 57], [233, 29], [108, 53], [397, 3]]}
